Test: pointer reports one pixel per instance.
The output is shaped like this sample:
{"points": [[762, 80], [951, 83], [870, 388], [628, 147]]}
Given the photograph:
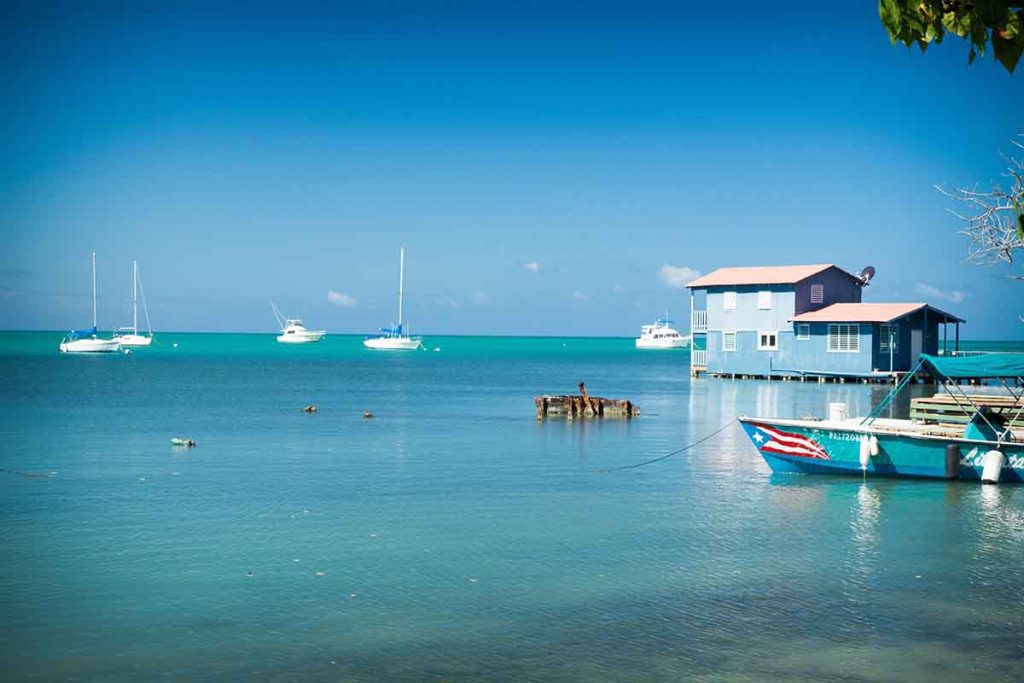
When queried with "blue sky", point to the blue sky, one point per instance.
{"points": [[542, 162]]}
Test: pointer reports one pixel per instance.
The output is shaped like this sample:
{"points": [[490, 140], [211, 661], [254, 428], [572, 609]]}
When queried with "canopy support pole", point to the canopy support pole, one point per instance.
{"points": [[887, 401]]}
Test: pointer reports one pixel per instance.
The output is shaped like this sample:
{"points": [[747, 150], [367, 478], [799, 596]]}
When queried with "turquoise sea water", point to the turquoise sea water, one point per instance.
{"points": [[453, 537]]}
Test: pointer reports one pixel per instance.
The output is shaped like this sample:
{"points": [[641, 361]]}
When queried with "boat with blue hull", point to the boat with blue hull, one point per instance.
{"points": [[988, 448]]}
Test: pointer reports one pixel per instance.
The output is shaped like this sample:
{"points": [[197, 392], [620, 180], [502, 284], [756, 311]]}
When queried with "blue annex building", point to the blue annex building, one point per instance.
{"points": [[807, 321]]}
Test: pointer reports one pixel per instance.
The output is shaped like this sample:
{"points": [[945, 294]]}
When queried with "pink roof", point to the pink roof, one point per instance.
{"points": [[866, 313], [761, 275]]}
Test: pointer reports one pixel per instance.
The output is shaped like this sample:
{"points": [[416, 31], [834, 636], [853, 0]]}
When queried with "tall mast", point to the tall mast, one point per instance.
{"points": [[135, 297], [94, 289], [401, 283]]}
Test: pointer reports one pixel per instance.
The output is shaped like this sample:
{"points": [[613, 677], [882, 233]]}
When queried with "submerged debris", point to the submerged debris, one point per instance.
{"points": [[29, 475], [584, 406]]}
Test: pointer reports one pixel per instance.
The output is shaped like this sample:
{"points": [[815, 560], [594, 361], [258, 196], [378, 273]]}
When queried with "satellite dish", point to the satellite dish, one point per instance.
{"points": [[866, 274]]}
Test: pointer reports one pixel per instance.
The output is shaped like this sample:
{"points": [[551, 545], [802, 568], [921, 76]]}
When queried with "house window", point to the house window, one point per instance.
{"points": [[767, 341], [764, 300], [728, 341], [729, 301], [817, 294], [803, 331], [844, 338], [885, 333]]}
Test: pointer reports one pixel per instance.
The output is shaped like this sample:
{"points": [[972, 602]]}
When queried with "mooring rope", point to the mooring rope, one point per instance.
{"points": [[667, 455]]}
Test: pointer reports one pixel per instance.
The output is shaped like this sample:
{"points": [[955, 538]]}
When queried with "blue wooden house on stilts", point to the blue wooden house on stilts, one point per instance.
{"points": [[807, 321]]}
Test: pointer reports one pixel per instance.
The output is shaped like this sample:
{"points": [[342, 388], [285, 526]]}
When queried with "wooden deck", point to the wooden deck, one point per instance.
{"points": [[944, 408]]}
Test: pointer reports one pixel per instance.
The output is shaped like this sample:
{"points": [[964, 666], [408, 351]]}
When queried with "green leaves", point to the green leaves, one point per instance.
{"points": [[1008, 43], [924, 22]]}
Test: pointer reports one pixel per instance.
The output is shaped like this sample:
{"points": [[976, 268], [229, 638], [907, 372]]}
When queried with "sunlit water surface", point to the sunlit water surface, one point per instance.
{"points": [[454, 537]]}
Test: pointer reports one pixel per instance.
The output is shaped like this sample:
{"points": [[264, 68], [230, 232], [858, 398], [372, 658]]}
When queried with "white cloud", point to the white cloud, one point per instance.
{"points": [[677, 277], [926, 290], [580, 296], [532, 266], [446, 300], [339, 299], [479, 297]]}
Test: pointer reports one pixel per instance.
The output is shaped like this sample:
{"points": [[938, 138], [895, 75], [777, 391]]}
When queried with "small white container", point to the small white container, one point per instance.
{"points": [[837, 412]]}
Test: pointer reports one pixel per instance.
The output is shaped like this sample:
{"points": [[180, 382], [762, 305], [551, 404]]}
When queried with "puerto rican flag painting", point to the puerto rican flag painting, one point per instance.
{"points": [[774, 440]]}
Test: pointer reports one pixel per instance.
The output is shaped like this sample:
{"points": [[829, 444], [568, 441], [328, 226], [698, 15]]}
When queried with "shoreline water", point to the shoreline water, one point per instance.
{"points": [[455, 537]]}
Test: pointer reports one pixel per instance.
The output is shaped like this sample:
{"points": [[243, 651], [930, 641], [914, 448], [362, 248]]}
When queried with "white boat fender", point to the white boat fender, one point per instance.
{"points": [[992, 467], [865, 452], [952, 461], [873, 443]]}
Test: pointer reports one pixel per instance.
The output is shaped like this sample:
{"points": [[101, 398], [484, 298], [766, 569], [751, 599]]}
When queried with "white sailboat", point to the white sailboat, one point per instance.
{"points": [[129, 336], [87, 341], [294, 332], [394, 338]]}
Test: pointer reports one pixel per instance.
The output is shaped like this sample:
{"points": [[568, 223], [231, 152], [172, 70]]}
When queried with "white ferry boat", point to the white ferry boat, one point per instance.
{"points": [[661, 335]]}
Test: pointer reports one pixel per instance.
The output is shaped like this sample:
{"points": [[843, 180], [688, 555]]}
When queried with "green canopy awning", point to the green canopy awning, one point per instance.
{"points": [[982, 366]]}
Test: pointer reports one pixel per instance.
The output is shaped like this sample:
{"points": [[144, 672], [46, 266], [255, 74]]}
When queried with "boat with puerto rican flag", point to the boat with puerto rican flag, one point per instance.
{"points": [[990, 447]]}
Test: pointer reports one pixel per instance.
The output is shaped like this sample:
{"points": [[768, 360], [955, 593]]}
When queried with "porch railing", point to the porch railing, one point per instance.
{"points": [[699, 321], [699, 358]]}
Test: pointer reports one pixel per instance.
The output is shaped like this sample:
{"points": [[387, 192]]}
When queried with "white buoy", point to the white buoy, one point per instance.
{"points": [[873, 443], [865, 452], [837, 412], [992, 467]]}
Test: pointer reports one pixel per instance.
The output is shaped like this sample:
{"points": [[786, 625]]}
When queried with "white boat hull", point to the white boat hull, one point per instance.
{"points": [[676, 343], [307, 337], [90, 346], [133, 340], [393, 343]]}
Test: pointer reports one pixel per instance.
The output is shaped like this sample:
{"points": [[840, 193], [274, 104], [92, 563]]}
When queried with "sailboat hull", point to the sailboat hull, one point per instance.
{"points": [[133, 340], [90, 346], [393, 343]]}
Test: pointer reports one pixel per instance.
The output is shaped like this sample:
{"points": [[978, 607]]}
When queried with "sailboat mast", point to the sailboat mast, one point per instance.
{"points": [[94, 289], [135, 297], [401, 283]]}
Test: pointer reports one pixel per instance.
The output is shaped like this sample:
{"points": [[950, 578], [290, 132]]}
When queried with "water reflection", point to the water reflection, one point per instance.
{"points": [[799, 494], [866, 515]]}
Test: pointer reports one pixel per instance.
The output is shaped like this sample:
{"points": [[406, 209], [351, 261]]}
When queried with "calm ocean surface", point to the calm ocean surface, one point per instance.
{"points": [[454, 537]]}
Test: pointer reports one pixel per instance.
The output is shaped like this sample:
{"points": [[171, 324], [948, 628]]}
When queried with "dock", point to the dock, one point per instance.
{"points": [[585, 406], [820, 378]]}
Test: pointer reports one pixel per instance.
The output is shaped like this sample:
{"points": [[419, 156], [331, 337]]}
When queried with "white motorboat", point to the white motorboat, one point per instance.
{"points": [[294, 332], [394, 338], [129, 336], [88, 341], [661, 335]]}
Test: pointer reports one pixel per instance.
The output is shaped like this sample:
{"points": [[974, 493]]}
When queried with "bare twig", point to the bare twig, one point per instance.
{"points": [[992, 217]]}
